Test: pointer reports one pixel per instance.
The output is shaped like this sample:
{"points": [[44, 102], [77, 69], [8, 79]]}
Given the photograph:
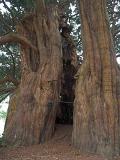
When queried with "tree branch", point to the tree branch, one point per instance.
{"points": [[13, 37], [7, 90], [118, 55], [5, 95], [9, 79], [40, 6], [6, 6]]}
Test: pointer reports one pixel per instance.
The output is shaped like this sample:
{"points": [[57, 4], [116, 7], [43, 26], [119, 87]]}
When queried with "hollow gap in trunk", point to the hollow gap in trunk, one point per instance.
{"points": [[65, 110], [65, 113]]}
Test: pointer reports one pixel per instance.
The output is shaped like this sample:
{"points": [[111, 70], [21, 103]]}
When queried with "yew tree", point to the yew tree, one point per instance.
{"points": [[48, 64], [37, 95], [46, 47], [96, 126]]}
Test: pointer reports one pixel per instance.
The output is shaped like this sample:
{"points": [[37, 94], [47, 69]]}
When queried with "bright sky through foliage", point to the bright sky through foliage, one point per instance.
{"points": [[3, 107]]}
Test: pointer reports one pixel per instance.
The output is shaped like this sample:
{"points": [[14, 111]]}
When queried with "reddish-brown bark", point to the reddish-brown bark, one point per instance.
{"points": [[96, 125], [33, 106], [32, 111]]}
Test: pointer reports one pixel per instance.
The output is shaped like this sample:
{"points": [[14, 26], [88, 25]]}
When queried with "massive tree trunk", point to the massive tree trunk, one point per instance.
{"points": [[96, 125], [32, 121], [33, 106]]}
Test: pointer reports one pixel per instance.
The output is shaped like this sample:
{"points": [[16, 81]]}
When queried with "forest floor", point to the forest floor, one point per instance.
{"points": [[59, 148]]}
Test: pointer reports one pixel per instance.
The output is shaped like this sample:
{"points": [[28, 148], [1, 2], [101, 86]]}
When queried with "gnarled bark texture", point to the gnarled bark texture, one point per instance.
{"points": [[34, 116], [96, 125], [47, 66]]}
